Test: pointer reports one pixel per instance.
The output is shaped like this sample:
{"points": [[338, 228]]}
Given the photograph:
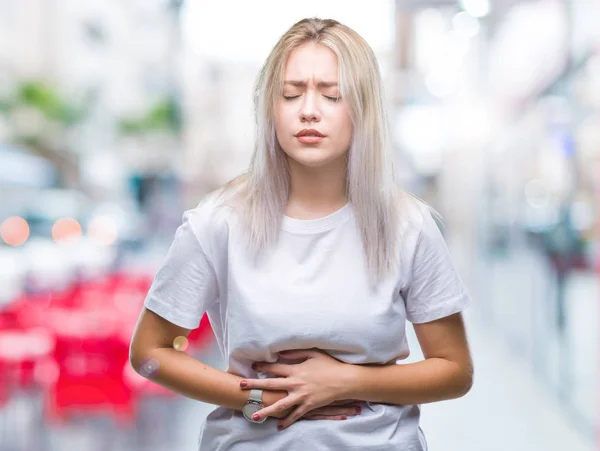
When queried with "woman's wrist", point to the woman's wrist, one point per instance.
{"points": [[349, 382]]}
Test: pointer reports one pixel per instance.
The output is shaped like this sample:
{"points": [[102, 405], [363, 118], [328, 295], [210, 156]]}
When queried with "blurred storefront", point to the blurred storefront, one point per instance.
{"points": [[542, 197], [502, 137]]}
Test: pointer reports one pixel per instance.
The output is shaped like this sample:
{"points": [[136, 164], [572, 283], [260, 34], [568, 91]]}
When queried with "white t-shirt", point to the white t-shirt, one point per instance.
{"points": [[311, 292]]}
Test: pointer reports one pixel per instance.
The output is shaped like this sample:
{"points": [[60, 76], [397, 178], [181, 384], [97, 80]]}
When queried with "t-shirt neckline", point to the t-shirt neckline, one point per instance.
{"points": [[318, 224]]}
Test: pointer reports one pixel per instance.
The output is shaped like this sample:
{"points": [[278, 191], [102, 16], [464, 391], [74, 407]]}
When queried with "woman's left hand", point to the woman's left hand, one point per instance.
{"points": [[316, 382]]}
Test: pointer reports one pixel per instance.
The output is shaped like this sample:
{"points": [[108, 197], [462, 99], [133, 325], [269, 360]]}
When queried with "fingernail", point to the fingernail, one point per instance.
{"points": [[243, 383], [256, 417], [280, 427], [344, 417]]}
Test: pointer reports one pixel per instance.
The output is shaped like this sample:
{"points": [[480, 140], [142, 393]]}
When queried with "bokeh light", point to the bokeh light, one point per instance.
{"points": [[14, 231], [102, 231], [180, 343], [466, 24], [66, 229], [149, 367], [476, 8]]}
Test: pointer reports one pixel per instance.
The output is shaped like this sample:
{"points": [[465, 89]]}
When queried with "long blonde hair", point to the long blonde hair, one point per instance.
{"points": [[371, 186]]}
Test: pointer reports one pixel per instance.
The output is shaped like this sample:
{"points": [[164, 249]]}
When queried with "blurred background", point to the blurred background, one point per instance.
{"points": [[117, 115]]}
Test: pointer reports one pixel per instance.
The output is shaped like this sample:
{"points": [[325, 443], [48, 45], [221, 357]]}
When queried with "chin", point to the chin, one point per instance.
{"points": [[312, 159], [312, 163]]}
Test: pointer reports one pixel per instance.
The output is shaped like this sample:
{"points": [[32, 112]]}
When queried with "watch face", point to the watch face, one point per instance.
{"points": [[251, 409]]}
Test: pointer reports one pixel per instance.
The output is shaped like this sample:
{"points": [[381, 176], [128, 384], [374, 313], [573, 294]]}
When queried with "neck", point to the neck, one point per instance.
{"points": [[316, 191]]}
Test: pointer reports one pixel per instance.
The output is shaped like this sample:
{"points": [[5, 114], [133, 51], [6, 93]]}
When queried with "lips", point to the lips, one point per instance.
{"points": [[310, 132]]}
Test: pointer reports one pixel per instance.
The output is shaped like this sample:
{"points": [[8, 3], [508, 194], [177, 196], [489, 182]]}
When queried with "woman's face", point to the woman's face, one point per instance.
{"points": [[312, 123]]}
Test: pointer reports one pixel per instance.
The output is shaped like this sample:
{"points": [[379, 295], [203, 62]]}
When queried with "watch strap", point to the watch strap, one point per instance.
{"points": [[256, 395]]}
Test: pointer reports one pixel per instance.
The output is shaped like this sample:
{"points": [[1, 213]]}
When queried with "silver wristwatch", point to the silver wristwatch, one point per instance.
{"points": [[253, 405]]}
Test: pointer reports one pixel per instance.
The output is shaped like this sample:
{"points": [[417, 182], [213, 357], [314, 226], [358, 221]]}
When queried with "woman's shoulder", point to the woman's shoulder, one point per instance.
{"points": [[212, 216], [221, 202], [415, 213]]}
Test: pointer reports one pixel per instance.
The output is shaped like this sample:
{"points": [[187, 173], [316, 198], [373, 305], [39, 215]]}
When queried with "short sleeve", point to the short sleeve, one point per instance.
{"points": [[185, 285], [436, 289]]}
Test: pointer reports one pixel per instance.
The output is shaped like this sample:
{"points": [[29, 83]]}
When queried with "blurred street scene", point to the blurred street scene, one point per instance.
{"points": [[117, 115]]}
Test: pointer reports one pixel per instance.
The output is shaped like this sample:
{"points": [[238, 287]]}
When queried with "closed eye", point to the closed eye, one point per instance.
{"points": [[332, 98]]}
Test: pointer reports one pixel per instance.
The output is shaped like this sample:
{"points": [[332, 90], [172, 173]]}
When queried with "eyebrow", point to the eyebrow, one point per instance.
{"points": [[302, 83]]}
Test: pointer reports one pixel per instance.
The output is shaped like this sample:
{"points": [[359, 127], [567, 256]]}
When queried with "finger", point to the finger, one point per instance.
{"points": [[330, 411], [270, 383], [345, 402], [298, 354], [326, 417], [280, 406], [294, 415], [349, 411], [278, 369]]}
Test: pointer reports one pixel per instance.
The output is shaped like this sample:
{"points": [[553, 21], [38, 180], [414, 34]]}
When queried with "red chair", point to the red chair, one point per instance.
{"points": [[87, 367], [90, 371]]}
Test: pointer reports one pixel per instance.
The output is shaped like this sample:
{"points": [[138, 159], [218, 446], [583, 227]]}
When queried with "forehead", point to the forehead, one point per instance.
{"points": [[310, 62]]}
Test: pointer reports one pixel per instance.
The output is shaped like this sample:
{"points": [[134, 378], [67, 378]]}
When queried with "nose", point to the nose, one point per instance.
{"points": [[310, 111]]}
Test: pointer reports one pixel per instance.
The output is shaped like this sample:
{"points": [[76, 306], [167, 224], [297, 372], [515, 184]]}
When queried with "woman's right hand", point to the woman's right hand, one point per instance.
{"points": [[339, 410], [271, 397]]}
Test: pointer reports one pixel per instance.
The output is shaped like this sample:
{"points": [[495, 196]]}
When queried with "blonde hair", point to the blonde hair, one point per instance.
{"points": [[371, 186]]}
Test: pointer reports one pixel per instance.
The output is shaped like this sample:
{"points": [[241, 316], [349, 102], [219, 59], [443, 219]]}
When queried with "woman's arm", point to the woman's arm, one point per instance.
{"points": [[153, 339], [446, 372]]}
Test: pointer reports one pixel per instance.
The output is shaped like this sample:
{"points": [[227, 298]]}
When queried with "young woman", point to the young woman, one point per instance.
{"points": [[309, 266]]}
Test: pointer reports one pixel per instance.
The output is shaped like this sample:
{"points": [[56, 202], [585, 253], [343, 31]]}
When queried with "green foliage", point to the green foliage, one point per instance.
{"points": [[42, 97], [164, 115]]}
